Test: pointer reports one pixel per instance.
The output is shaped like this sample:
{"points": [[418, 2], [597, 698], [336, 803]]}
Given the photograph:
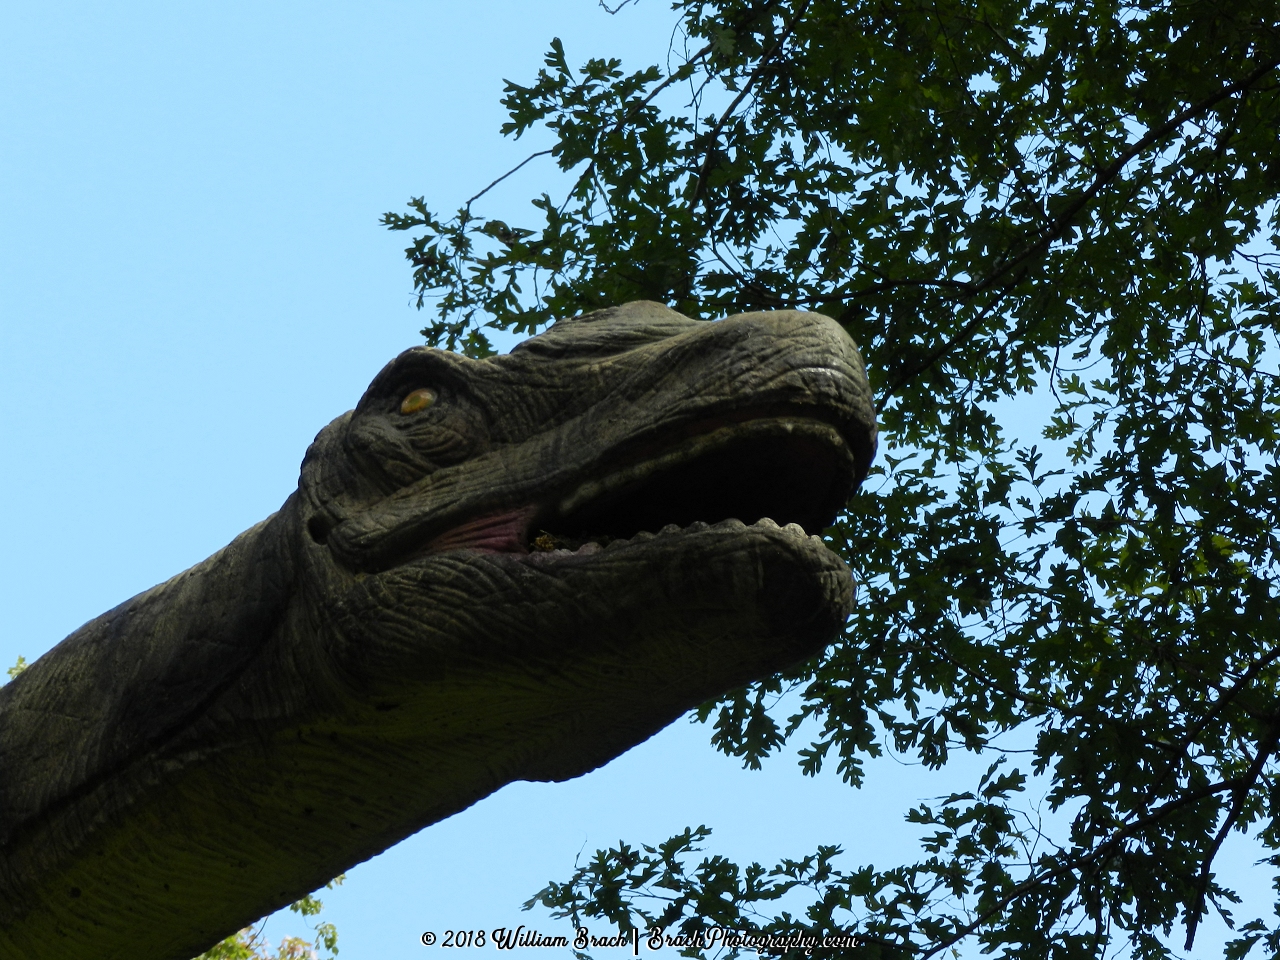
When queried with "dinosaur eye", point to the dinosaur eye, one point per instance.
{"points": [[419, 399]]}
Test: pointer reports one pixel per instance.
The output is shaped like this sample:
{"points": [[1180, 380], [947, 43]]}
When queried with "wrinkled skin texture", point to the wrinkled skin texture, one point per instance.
{"points": [[456, 597]]}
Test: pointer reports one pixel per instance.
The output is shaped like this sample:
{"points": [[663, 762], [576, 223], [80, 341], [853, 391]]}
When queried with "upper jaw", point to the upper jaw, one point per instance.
{"points": [[792, 470]]}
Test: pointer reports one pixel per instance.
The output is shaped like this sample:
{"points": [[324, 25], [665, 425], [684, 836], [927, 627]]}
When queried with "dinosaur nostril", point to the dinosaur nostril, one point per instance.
{"points": [[319, 528]]}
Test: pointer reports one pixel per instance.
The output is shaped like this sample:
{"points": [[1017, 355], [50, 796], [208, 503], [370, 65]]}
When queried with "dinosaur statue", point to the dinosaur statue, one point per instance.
{"points": [[492, 570]]}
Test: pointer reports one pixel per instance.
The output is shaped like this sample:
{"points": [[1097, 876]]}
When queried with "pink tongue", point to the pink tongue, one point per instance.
{"points": [[495, 533]]}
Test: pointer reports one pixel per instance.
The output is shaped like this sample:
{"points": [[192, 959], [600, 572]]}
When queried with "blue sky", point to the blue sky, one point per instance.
{"points": [[193, 282]]}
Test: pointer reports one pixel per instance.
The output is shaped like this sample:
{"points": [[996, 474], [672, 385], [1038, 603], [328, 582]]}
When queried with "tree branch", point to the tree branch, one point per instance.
{"points": [[1225, 697], [1196, 910], [714, 135], [532, 156], [1124, 833], [1064, 220], [938, 352]]}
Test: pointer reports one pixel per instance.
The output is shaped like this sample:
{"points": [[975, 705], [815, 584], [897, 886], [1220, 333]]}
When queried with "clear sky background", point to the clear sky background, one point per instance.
{"points": [[193, 282]]}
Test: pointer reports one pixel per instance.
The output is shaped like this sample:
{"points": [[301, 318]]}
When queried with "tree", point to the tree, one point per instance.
{"points": [[1072, 205]]}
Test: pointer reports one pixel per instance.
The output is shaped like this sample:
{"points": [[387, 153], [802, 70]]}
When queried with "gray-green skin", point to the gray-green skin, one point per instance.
{"points": [[429, 617]]}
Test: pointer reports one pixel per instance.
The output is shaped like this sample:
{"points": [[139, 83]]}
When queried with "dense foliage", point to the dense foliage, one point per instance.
{"points": [[1070, 205]]}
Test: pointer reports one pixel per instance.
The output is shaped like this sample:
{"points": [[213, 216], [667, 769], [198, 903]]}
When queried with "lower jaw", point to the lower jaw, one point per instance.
{"points": [[547, 548]]}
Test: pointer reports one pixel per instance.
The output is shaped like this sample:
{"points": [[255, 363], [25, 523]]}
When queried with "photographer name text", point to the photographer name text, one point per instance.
{"points": [[652, 940]]}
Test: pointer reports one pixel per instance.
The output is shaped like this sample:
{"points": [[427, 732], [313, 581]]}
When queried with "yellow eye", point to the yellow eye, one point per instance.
{"points": [[420, 399]]}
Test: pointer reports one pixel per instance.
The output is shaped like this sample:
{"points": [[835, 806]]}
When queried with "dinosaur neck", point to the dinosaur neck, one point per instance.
{"points": [[129, 693]]}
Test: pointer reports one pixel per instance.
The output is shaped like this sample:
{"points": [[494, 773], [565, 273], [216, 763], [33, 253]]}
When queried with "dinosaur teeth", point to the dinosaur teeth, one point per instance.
{"points": [[554, 546]]}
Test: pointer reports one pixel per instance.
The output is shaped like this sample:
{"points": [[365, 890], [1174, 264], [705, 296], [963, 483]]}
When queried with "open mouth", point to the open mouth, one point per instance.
{"points": [[793, 471], [789, 470]]}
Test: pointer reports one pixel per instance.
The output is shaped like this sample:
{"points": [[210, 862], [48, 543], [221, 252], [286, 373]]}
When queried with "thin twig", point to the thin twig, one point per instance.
{"points": [[936, 354], [621, 123], [635, 108], [532, 156], [1224, 698], [714, 135], [1240, 794]]}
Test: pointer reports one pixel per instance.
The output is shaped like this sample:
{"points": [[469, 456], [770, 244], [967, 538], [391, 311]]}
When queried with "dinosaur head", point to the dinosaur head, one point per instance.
{"points": [[493, 570], [584, 538]]}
